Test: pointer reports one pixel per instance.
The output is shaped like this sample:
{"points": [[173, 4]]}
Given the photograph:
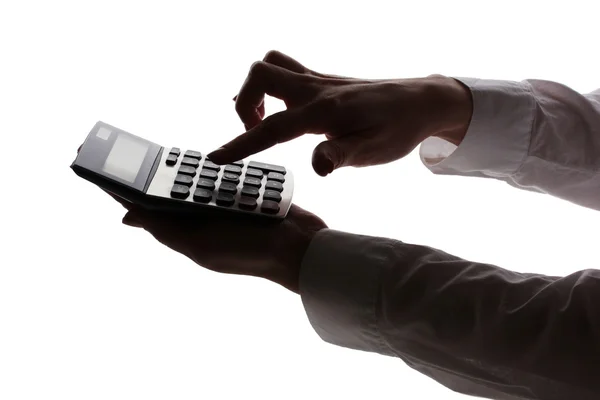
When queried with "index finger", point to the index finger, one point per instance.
{"points": [[277, 128], [265, 79]]}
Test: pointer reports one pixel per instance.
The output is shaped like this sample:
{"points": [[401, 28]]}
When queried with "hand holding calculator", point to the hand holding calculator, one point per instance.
{"points": [[174, 179]]}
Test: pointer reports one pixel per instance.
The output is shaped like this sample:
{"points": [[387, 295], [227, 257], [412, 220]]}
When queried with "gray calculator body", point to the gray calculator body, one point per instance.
{"points": [[180, 180]]}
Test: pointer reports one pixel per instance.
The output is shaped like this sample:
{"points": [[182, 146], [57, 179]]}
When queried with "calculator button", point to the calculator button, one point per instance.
{"points": [[192, 162], [225, 199], [187, 170], [273, 185], [247, 203], [252, 182], [269, 207], [250, 191], [267, 167], [229, 177], [272, 195], [276, 176], [210, 174], [202, 195], [234, 169], [175, 151], [180, 191], [211, 165], [184, 180], [228, 187], [171, 159], [193, 154], [238, 163], [206, 183], [256, 173]]}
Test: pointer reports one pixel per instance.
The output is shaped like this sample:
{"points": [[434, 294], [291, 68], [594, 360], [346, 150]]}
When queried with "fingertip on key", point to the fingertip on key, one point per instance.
{"points": [[217, 156]]}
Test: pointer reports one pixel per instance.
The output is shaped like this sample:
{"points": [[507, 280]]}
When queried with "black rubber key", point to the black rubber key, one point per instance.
{"points": [[180, 191], [234, 169], [175, 151], [250, 191], [171, 159], [276, 176], [229, 177], [211, 165], [255, 173], [269, 207], [205, 183], [252, 182], [192, 162], [186, 170], [228, 187], [184, 180], [272, 195], [193, 154], [202, 195], [225, 199], [274, 185], [209, 174], [247, 203], [266, 167]]}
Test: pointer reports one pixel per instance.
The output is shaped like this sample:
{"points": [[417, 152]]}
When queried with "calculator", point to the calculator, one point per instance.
{"points": [[180, 180]]}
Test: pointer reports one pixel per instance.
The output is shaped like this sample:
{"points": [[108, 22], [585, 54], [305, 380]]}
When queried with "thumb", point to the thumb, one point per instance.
{"points": [[335, 153]]}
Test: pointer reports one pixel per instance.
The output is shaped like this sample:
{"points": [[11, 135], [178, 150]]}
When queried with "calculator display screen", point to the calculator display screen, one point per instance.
{"points": [[126, 157]]}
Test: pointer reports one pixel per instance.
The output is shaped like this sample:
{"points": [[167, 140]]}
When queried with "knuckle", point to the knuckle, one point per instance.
{"points": [[330, 103], [272, 55], [258, 69]]}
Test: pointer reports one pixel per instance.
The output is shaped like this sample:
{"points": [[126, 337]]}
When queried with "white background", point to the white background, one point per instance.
{"points": [[93, 309]]}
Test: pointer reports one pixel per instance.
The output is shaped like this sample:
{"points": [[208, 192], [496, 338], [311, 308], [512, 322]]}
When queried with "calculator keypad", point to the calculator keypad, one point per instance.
{"points": [[274, 185], [255, 186], [209, 174], [225, 199], [180, 191], [193, 154], [206, 183], [202, 195], [186, 180], [192, 162], [171, 159], [187, 170]]}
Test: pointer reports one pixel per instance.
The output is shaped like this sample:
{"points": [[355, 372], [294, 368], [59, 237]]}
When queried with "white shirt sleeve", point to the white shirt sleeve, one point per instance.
{"points": [[535, 135], [477, 328]]}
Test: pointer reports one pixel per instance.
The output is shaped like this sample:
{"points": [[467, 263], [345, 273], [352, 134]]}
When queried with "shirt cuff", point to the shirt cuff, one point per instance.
{"points": [[498, 137], [339, 286]]}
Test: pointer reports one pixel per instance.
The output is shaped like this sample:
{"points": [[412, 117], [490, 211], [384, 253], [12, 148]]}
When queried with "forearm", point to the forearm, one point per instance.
{"points": [[476, 328], [536, 135]]}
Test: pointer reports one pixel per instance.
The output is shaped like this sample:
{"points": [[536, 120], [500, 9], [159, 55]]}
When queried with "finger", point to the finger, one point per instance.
{"points": [[265, 79], [281, 60], [278, 128], [131, 220], [284, 61], [337, 153]]}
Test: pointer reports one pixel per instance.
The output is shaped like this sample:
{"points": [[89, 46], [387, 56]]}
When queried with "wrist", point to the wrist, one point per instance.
{"points": [[298, 230], [456, 109]]}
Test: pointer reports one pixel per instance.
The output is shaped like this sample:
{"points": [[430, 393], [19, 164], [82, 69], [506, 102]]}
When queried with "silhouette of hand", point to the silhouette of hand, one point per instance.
{"points": [[234, 244], [366, 122]]}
